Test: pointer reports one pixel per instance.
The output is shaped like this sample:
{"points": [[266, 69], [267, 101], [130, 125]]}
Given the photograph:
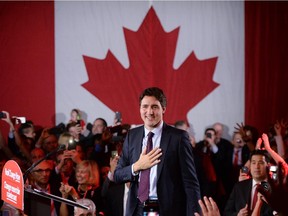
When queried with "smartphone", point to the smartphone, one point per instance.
{"points": [[21, 119], [118, 116], [245, 169], [71, 145], [114, 154], [2, 115], [18, 120]]}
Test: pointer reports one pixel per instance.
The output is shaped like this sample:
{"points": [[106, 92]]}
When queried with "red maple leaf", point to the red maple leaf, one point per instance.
{"points": [[151, 54]]}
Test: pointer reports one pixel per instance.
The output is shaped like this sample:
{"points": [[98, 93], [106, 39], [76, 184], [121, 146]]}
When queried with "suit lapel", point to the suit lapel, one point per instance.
{"points": [[138, 140], [248, 195], [163, 145]]}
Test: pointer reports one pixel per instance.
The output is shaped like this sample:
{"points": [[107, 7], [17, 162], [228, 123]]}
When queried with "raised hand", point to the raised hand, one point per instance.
{"points": [[266, 142], [258, 144], [240, 129], [208, 207], [280, 126]]}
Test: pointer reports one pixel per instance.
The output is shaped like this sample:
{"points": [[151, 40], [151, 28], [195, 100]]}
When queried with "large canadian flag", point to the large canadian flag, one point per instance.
{"points": [[99, 56]]}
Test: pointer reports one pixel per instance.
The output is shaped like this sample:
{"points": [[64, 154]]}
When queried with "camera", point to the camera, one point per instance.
{"points": [[89, 126], [2, 115], [208, 135], [245, 169], [273, 170], [151, 208], [71, 144]]}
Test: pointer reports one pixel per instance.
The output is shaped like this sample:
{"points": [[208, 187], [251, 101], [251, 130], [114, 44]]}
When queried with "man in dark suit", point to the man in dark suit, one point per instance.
{"points": [[173, 179], [240, 201]]}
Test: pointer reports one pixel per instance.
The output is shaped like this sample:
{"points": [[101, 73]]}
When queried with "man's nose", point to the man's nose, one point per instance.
{"points": [[150, 110]]}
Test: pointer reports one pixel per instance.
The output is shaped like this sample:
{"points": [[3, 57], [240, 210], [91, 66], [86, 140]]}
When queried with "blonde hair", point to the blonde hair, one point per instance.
{"points": [[65, 138], [93, 170]]}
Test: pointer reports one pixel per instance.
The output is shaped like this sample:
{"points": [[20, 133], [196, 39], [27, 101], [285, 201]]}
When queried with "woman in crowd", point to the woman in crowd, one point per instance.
{"points": [[88, 179]]}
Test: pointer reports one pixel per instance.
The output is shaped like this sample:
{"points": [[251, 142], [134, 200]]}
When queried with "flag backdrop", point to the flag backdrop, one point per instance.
{"points": [[216, 61]]}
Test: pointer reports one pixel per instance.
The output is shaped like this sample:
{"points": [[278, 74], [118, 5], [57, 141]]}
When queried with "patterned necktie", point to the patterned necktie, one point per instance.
{"points": [[144, 184]]}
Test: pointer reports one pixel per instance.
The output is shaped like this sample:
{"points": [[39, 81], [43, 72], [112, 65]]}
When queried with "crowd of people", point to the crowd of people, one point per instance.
{"points": [[85, 162]]}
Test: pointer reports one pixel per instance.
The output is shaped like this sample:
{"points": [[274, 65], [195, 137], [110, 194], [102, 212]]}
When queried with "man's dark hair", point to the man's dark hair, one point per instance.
{"points": [[210, 129], [155, 92], [103, 121], [23, 128], [260, 152], [179, 123], [254, 132]]}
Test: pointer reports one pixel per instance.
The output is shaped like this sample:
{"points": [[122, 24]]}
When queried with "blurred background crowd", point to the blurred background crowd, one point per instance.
{"points": [[80, 158]]}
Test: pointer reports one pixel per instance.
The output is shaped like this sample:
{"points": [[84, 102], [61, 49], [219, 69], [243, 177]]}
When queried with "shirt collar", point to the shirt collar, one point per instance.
{"points": [[156, 130], [254, 183], [237, 150]]}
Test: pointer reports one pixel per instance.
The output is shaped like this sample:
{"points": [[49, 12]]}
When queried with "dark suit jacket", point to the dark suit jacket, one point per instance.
{"points": [[113, 196], [177, 184], [240, 196]]}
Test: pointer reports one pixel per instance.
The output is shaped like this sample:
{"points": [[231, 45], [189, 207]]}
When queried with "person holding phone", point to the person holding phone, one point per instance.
{"points": [[209, 159], [21, 137]]}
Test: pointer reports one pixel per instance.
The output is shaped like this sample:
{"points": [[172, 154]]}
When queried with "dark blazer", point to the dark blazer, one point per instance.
{"points": [[240, 196], [177, 184], [113, 197]]}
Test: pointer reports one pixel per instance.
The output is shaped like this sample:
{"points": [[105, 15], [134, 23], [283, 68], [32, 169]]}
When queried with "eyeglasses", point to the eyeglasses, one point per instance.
{"points": [[239, 141], [42, 170]]}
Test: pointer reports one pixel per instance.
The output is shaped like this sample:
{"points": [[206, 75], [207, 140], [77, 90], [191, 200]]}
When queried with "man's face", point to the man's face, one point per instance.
{"points": [[68, 165], [74, 131], [50, 143], [98, 127], [29, 132], [37, 154], [41, 173], [237, 140], [219, 130], [258, 167], [80, 152], [151, 112]]}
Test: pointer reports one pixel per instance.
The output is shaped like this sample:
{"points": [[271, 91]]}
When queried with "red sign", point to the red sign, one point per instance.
{"points": [[12, 185]]}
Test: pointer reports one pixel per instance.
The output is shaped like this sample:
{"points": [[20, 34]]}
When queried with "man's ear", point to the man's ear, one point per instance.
{"points": [[164, 109]]}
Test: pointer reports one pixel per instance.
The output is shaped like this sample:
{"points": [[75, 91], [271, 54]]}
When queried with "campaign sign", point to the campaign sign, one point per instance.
{"points": [[12, 188]]}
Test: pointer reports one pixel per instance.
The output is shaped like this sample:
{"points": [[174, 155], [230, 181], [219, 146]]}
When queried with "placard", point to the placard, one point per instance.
{"points": [[12, 188]]}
